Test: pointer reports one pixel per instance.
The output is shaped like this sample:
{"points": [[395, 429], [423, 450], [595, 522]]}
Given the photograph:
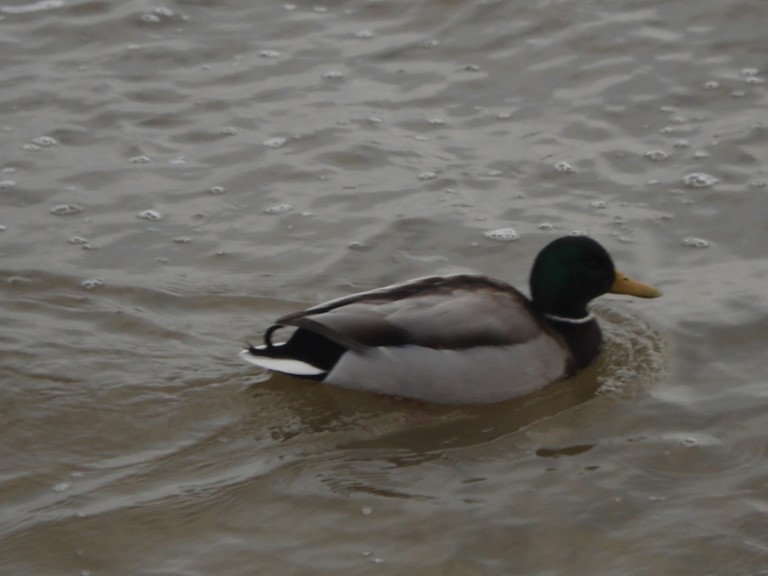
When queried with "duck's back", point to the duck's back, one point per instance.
{"points": [[449, 339]]}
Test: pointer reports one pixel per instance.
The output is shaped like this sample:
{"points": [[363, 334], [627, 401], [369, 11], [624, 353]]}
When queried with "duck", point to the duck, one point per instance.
{"points": [[458, 338]]}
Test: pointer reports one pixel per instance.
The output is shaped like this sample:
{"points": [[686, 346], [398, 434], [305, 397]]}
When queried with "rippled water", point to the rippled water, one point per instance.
{"points": [[175, 175]]}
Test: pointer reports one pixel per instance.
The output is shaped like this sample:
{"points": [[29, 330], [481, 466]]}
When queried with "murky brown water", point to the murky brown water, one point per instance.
{"points": [[174, 175]]}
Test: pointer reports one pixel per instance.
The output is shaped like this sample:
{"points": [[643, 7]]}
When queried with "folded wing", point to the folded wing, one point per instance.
{"points": [[440, 312]]}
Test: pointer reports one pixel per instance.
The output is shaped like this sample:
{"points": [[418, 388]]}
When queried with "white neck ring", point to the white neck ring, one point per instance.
{"points": [[588, 318]]}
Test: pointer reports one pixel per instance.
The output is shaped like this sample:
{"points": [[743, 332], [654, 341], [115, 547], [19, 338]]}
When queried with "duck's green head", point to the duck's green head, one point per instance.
{"points": [[571, 271]]}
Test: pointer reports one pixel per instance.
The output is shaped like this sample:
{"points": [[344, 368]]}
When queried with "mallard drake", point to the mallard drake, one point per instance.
{"points": [[456, 339]]}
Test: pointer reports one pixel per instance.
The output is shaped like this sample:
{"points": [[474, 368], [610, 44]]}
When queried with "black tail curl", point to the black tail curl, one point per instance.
{"points": [[268, 336], [303, 345]]}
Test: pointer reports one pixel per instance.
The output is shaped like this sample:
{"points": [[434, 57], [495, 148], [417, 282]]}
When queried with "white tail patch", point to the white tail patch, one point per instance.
{"points": [[284, 365]]}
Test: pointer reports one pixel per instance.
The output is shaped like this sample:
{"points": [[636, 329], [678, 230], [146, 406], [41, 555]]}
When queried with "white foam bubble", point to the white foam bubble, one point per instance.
{"points": [[92, 283], [502, 235], [66, 209], [278, 208], [276, 142], [151, 215], [692, 242], [699, 180], [45, 141], [656, 155]]}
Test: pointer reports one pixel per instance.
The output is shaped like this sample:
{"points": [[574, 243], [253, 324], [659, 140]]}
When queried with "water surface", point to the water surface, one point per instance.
{"points": [[173, 176]]}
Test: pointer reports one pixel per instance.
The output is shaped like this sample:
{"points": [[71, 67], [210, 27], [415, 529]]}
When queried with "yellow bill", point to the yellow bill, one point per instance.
{"points": [[625, 285]]}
